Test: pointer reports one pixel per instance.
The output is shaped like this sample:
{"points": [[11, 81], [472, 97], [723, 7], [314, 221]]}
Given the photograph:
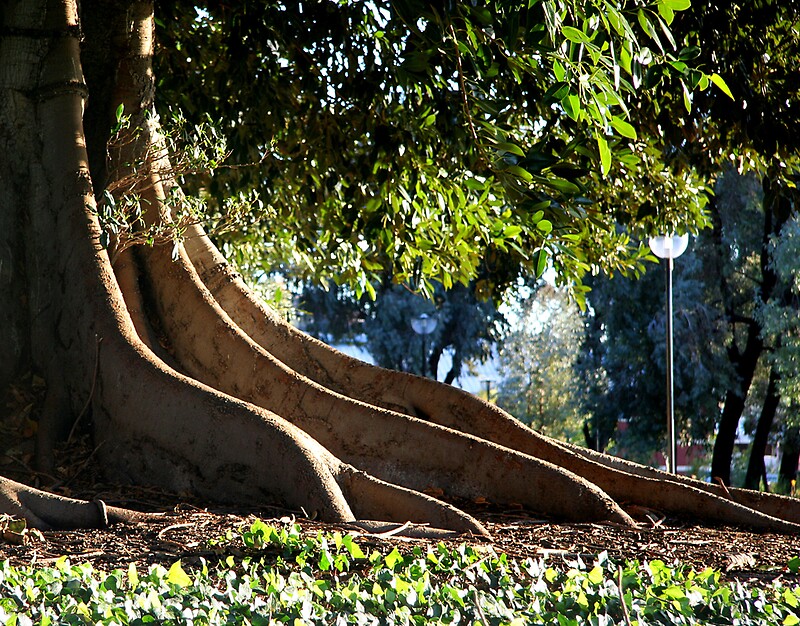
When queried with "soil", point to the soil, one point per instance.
{"points": [[190, 533], [188, 530]]}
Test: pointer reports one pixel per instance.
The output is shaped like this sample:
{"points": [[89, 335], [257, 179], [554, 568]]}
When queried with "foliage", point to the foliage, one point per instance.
{"points": [[327, 579], [466, 329], [200, 149], [778, 317], [755, 46], [456, 141], [537, 362], [627, 337]]}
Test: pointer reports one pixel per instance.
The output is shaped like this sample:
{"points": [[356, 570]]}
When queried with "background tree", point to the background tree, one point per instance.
{"points": [[195, 385], [466, 329], [756, 48], [537, 361], [626, 340], [779, 322]]}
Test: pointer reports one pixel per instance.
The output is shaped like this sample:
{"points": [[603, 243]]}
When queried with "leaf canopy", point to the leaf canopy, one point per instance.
{"points": [[450, 141]]}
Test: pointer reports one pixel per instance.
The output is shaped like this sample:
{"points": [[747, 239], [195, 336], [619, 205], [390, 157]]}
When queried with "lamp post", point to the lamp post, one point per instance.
{"points": [[670, 247], [424, 325], [488, 383]]}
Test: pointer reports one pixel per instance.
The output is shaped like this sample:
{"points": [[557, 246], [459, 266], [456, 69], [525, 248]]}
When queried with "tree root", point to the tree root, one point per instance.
{"points": [[240, 407], [394, 447], [47, 511], [622, 480]]}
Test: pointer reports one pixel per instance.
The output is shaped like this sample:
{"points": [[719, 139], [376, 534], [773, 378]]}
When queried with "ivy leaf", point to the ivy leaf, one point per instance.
{"points": [[393, 558], [176, 575]]}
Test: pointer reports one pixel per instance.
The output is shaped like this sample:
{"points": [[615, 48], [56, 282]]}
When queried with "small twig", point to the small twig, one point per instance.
{"points": [[625, 613], [463, 87], [722, 484], [478, 608], [91, 391], [173, 527]]}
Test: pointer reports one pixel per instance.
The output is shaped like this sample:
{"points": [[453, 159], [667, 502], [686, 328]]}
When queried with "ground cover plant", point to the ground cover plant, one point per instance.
{"points": [[289, 576]]}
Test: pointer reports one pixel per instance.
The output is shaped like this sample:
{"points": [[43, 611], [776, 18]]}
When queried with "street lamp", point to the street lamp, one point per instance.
{"points": [[670, 247], [488, 383], [424, 325]]}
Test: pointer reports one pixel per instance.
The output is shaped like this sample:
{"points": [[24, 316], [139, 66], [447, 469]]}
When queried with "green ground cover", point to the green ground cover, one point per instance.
{"points": [[292, 578]]}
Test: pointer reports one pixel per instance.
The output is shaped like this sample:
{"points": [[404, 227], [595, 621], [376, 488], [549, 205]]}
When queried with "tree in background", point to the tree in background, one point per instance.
{"points": [[780, 323], [625, 341], [466, 328], [756, 48], [536, 363], [508, 116]]}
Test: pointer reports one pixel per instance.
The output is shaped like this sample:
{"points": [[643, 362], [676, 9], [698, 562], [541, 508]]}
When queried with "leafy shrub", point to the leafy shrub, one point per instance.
{"points": [[292, 578]]}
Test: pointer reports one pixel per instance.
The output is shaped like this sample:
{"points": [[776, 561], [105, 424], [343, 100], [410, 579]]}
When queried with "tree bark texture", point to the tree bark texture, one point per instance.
{"points": [[194, 385]]}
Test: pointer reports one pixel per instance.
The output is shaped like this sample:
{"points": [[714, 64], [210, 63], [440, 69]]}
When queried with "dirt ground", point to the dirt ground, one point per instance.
{"points": [[187, 529], [188, 532]]}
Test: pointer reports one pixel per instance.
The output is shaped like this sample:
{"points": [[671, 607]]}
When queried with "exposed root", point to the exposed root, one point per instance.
{"points": [[373, 499], [394, 447], [46, 511], [622, 480]]}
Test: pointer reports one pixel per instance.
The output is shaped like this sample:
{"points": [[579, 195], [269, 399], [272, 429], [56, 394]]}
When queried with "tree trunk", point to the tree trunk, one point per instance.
{"points": [[777, 210], [227, 401], [787, 473], [756, 469]]}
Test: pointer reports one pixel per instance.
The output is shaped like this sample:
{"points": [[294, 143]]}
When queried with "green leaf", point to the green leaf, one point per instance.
{"points": [[623, 128], [509, 147], [647, 26], [133, 575], [541, 266], [324, 562], [605, 154], [719, 82], [596, 575], [572, 106], [689, 53], [393, 558], [666, 12], [674, 592], [677, 5], [176, 575], [520, 172], [564, 186], [794, 564], [352, 547], [687, 98], [118, 113], [573, 34]]}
